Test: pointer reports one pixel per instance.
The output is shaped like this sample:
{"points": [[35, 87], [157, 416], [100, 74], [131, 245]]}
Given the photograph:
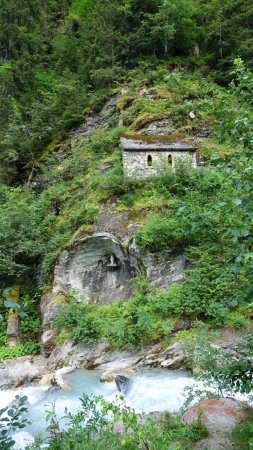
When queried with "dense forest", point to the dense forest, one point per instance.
{"points": [[60, 62], [56, 54]]}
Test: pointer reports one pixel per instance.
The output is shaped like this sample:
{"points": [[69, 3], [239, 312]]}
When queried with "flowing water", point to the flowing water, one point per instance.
{"points": [[151, 390]]}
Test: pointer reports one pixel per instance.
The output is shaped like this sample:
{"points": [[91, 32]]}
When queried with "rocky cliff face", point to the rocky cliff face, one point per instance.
{"points": [[98, 268]]}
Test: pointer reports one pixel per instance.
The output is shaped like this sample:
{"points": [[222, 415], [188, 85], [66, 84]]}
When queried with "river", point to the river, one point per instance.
{"points": [[151, 390]]}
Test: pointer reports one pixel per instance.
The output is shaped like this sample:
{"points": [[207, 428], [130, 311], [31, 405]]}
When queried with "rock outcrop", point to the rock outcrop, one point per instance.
{"points": [[18, 371], [220, 416], [13, 329], [46, 379], [93, 122], [49, 309], [93, 356], [162, 269], [100, 356], [98, 269], [112, 363], [12, 295], [173, 357]]}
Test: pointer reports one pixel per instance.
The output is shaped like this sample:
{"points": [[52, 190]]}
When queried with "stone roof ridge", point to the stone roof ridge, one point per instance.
{"points": [[174, 141]]}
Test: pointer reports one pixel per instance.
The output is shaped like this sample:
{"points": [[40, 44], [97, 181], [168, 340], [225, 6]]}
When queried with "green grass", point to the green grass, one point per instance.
{"points": [[174, 94], [243, 434]]}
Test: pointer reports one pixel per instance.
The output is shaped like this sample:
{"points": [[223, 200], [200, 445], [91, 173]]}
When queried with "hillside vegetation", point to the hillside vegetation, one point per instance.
{"points": [[203, 214], [55, 71], [116, 67], [59, 63]]}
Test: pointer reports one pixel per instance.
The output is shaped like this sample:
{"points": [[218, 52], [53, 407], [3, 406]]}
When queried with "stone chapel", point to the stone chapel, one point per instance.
{"points": [[145, 156]]}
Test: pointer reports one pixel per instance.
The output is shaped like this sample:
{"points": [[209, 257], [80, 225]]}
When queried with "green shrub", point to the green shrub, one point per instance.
{"points": [[19, 350], [237, 320], [243, 433], [150, 314], [191, 217], [113, 183], [3, 338], [168, 303], [90, 429], [123, 324], [85, 214], [3, 335], [104, 142], [81, 320], [161, 233], [30, 325], [11, 419]]}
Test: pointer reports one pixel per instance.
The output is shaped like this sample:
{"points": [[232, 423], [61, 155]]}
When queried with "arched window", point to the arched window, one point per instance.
{"points": [[149, 161], [170, 160]]}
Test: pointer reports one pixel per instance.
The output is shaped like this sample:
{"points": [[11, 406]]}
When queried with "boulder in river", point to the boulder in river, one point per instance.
{"points": [[46, 379], [123, 383], [60, 381], [110, 375], [54, 388]]}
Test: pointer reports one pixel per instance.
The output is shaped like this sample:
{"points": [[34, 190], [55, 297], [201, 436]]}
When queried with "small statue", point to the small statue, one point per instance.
{"points": [[112, 264]]}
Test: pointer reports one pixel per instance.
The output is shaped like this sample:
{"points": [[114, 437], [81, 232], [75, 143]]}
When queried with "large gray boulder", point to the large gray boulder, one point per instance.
{"points": [[123, 383], [21, 370], [220, 416]]}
